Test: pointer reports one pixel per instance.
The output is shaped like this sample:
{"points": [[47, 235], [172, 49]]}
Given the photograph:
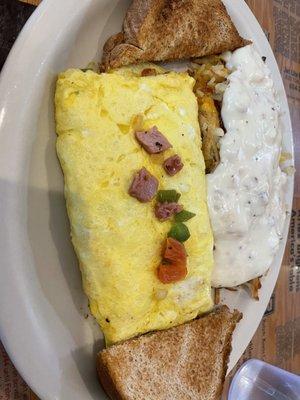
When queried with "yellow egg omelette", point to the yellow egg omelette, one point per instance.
{"points": [[118, 240]]}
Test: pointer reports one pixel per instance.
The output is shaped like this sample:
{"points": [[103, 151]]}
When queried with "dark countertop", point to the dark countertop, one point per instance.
{"points": [[13, 15]]}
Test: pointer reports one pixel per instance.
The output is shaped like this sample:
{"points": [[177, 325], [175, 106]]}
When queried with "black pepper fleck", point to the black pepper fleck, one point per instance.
{"points": [[264, 58], [107, 320]]}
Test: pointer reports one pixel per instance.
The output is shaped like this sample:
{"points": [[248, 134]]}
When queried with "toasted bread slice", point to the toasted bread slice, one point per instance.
{"points": [[185, 362], [161, 30]]}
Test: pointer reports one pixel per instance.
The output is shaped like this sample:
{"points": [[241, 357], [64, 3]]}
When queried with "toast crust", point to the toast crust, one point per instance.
{"points": [[106, 379], [183, 363], [166, 30]]}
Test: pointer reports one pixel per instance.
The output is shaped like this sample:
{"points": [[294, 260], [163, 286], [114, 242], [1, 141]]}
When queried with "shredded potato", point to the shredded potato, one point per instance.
{"points": [[210, 74], [285, 157], [217, 296], [254, 285], [251, 286]]}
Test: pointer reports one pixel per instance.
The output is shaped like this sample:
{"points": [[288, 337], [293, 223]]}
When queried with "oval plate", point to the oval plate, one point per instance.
{"points": [[44, 320]]}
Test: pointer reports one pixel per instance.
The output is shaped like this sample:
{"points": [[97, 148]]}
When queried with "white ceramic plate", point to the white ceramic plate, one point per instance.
{"points": [[43, 308]]}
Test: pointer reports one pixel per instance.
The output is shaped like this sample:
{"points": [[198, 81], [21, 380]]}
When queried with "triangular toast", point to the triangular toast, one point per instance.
{"points": [[164, 30], [182, 363]]}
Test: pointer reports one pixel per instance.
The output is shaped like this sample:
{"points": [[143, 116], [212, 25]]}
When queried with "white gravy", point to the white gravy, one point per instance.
{"points": [[246, 191]]}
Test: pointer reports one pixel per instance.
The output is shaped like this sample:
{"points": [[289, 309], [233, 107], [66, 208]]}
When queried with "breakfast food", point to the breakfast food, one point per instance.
{"points": [[210, 75], [173, 165], [134, 144], [160, 30], [183, 363], [246, 191], [142, 269]]}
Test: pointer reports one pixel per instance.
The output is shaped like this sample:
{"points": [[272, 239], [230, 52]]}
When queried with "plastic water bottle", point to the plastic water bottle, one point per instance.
{"points": [[257, 380]]}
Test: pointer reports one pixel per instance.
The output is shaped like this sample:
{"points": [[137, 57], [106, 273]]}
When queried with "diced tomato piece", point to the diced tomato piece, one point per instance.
{"points": [[175, 251], [173, 268]]}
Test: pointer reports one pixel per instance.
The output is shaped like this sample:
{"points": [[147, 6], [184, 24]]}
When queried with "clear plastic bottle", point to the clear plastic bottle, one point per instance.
{"points": [[257, 380]]}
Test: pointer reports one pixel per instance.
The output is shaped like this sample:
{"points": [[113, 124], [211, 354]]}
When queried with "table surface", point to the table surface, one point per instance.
{"points": [[277, 340]]}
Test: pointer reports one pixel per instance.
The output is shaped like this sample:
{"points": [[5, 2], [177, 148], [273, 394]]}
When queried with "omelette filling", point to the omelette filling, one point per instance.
{"points": [[118, 240]]}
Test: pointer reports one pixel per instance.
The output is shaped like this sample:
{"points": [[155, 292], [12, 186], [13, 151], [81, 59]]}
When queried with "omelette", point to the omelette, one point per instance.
{"points": [[117, 239]]}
